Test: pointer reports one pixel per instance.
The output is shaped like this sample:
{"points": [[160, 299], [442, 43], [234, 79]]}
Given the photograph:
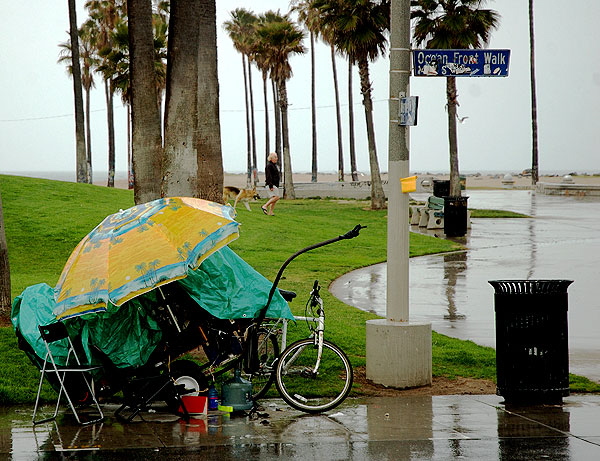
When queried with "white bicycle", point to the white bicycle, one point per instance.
{"points": [[313, 375]]}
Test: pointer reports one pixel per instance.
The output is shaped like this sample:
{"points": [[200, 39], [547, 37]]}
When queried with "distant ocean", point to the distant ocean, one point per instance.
{"points": [[68, 176], [100, 177]]}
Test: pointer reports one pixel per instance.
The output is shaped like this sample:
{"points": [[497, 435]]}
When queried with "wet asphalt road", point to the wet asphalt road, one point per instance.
{"points": [[561, 240]]}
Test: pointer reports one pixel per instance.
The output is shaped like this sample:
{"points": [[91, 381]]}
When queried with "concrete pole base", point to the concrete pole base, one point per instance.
{"points": [[399, 353]]}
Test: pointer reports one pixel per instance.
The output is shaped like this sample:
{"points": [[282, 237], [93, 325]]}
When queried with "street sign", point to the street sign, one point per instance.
{"points": [[460, 63]]}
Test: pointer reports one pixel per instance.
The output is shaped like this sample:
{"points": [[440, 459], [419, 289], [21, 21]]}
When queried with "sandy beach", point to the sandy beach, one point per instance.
{"points": [[476, 181]]}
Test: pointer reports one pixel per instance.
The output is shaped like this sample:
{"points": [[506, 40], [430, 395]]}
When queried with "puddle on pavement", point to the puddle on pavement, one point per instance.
{"points": [[410, 427], [451, 291]]}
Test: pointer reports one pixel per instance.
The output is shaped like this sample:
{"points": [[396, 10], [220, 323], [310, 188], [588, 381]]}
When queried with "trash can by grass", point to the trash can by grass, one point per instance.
{"points": [[441, 187], [532, 349], [455, 216]]}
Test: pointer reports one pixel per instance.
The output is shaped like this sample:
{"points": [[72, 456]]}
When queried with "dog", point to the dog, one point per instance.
{"points": [[236, 194]]}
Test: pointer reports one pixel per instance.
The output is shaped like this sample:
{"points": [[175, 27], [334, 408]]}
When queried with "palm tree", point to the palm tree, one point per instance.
{"points": [[103, 15], [452, 24], [534, 134], [5, 296], [109, 18], [113, 52], [352, 143], [261, 57], [358, 30], [81, 160], [280, 39], [262, 63], [241, 28], [309, 17], [180, 164], [87, 80], [208, 143], [145, 120]]}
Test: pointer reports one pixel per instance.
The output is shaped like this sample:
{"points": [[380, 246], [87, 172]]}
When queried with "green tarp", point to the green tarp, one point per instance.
{"points": [[224, 285]]}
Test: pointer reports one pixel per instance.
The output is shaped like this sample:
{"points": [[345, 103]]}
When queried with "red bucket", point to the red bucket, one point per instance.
{"points": [[195, 404]]}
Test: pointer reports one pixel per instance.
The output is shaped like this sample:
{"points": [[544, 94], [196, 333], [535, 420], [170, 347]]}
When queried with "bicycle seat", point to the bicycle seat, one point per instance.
{"points": [[287, 295]]}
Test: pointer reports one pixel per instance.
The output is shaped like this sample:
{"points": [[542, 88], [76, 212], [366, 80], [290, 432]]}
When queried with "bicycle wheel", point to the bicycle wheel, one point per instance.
{"points": [[313, 392], [268, 351]]}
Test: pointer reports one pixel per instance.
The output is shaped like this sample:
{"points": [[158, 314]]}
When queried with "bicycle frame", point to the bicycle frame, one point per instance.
{"points": [[348, 235]]}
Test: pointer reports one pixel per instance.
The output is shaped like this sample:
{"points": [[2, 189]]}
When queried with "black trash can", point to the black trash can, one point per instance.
{"points": [[532, 350], [455, 216], [441, 187]]}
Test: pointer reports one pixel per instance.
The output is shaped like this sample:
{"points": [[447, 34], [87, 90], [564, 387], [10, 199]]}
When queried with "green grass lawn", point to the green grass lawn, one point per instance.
{"points": [[45, 220]]}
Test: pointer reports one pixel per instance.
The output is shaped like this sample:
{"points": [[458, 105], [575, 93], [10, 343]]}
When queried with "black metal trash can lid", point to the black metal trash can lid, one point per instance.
{"points": [[525, 287]]}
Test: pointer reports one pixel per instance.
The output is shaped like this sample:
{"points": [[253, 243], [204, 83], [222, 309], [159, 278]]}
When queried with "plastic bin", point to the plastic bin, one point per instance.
{"points": [[441, 187], [532, 350], [455, 216]]}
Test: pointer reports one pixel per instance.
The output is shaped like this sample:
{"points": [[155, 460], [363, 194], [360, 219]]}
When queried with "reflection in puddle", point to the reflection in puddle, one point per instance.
{"points": [[559, 241], [454, 265]]}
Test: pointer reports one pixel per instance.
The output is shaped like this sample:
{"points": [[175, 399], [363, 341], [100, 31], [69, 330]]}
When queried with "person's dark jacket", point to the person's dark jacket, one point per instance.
{"points": [[271, 175]]}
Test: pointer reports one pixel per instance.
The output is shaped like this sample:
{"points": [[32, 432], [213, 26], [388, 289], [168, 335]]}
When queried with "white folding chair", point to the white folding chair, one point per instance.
{"points": [[73, 366]]}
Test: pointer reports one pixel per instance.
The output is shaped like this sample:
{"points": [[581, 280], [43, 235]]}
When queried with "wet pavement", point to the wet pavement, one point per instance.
{"points": [[451, 291], [387, 428]]}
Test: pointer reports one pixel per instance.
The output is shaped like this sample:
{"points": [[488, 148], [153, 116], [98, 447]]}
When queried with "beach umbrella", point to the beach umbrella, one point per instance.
{"points": [[136, 250]]}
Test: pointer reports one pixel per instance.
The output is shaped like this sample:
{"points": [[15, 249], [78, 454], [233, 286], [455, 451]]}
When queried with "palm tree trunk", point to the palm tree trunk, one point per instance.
{"points": [[252, 124], [351, 124], [313, 105], [534, 128], [146, 138], [248, 130], [377, 195], [288, 181], [180, 160], [88, 137], [110, 119], [451, 96], [81, 158], [266, 104], [130, 172], [277, 115], [208, 147], [5, 293], [338, 117]]}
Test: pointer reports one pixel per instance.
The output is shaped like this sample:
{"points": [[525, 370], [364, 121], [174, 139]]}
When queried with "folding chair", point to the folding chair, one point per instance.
{"points": [[73, 366]]}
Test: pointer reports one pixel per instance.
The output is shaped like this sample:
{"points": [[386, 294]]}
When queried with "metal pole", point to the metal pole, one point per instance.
{"points": [[398, 165]]}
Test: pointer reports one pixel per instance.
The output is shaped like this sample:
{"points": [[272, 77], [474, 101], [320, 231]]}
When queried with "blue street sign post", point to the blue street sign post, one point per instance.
{"points": [[460, 63]]}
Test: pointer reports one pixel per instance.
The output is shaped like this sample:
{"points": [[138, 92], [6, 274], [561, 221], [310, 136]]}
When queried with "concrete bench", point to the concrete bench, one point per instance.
{"points": [[431, 215]]}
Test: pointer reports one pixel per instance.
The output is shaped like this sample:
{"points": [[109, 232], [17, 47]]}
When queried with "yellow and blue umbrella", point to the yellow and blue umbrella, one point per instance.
{"points": [[136, 250]]}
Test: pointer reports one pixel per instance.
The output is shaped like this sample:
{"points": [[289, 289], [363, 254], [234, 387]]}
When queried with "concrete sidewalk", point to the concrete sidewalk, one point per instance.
{"points": [[388, 428]]}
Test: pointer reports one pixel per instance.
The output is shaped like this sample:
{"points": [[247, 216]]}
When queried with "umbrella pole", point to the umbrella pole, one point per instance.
{"points": [[169, 310]]}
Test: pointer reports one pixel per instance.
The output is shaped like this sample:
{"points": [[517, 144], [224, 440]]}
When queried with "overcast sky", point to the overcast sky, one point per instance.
{"points": [[36, 98]]}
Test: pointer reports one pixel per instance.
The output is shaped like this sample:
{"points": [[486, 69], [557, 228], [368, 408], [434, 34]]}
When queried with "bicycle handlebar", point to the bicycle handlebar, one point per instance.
{"points": [[352, 233], [348, 235]]}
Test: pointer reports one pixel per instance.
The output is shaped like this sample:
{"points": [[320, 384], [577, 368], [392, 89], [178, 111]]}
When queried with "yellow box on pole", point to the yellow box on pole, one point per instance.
{"points": [[408, 184]]}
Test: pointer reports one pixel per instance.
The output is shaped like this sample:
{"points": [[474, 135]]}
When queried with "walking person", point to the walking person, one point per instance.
{"points": [[272, 183]]}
